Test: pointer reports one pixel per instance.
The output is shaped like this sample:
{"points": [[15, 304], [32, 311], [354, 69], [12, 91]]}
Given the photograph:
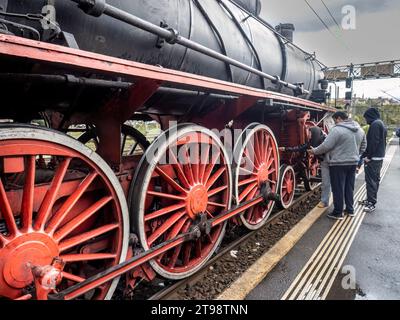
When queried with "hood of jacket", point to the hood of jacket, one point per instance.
{"points": [[350, 124], [371, 115]]}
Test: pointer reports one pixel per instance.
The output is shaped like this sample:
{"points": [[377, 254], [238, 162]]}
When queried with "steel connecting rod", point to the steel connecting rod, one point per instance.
{"points": [[97, 8], [204, 226]]}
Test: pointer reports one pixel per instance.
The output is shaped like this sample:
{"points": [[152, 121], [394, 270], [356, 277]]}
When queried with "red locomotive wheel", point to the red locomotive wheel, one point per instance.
{"points": [[287, 186], [184, 174], [313, 171], [256, 162], [313, 164], [58, 199]]}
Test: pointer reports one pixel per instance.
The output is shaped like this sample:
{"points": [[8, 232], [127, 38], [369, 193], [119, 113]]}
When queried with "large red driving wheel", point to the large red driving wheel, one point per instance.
{"points": [[184, 174], [256, 161], [287, 186], [58, 199]]}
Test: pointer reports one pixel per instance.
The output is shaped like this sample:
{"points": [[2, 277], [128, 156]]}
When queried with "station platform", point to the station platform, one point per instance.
{"points": [[357, 258]]}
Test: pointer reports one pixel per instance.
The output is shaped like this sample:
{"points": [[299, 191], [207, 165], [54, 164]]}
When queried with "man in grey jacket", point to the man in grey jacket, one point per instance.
{"points": [[344, 145]]}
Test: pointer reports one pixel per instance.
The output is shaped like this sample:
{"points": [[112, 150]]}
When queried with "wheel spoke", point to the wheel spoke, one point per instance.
{"points": [[87, 257], [249, 214], [123, 143], [166, 195], [216, 191], [210, 215], [196, 165], [179, 170], [267, 147], [132, 151], [72, 277], [175, 256], [28, 195], [211, 166], [67, 206], [198, 248], [214, 204], [252, 194], [248, 157], [24, 297], [186, 253], [164, 227], [259, 147], [204, 161], [256, 156], [187, 167], [247, 181], [178, 249], [215, 177], [270, 163], [164, 211], [177, 228], [246, 191], [170, 180], [6, 211], [51, 195], [81, 218], [246, 171], [81, 238]]}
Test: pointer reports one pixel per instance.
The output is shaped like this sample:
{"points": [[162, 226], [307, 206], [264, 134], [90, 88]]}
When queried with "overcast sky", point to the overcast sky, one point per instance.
{"points": [[376, 37]]}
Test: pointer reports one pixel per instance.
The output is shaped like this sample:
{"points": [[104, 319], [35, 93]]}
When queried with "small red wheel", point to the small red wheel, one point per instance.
{"points": [[287, 186], [58, 199], [256, 161], [312, 171], [184, 173], [312, 162]]}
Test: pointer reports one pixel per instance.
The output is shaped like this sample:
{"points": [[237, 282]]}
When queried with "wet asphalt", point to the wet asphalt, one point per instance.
{"points": [[374, 254]]}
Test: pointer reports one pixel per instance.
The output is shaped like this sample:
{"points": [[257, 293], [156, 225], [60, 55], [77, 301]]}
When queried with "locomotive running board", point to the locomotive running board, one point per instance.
{"points": [[46, 53]]}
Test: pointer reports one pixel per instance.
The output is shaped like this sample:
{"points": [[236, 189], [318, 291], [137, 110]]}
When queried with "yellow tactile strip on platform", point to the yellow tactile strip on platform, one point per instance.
{"points": [[258, 271]]}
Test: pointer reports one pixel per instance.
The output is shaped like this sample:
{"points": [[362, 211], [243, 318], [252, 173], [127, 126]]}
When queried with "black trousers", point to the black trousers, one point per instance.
{"points": [[373, 180], [343, 180]]}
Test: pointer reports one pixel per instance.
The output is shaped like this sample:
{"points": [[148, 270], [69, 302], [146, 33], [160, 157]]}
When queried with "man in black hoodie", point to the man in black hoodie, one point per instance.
{"points": [[374, 156]]}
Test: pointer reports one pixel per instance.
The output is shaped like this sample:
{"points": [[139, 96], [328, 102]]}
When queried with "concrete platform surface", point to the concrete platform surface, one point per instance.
{"points": [[358, 258]]}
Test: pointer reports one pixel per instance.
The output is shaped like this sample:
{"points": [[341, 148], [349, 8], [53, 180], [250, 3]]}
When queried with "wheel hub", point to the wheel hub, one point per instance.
{"points": [[22, 253], [289, 186], [263, 173], [197, 201]]}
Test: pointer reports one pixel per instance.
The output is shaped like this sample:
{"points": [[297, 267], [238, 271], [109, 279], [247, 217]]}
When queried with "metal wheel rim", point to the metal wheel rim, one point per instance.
{"points": [[26, 132], [238, 154], [138, 206], [284, 170]]}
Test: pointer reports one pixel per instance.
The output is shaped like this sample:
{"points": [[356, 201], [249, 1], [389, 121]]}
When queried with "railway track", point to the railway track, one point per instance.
{"points": [[171, 292]]}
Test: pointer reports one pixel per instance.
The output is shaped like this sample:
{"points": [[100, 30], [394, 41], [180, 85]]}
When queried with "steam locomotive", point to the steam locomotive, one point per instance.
{"points": [[88, 198]]}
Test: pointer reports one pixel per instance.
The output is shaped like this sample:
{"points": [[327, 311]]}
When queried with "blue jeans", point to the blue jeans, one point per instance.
{"points": [[326, 183], [343, 180]]}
